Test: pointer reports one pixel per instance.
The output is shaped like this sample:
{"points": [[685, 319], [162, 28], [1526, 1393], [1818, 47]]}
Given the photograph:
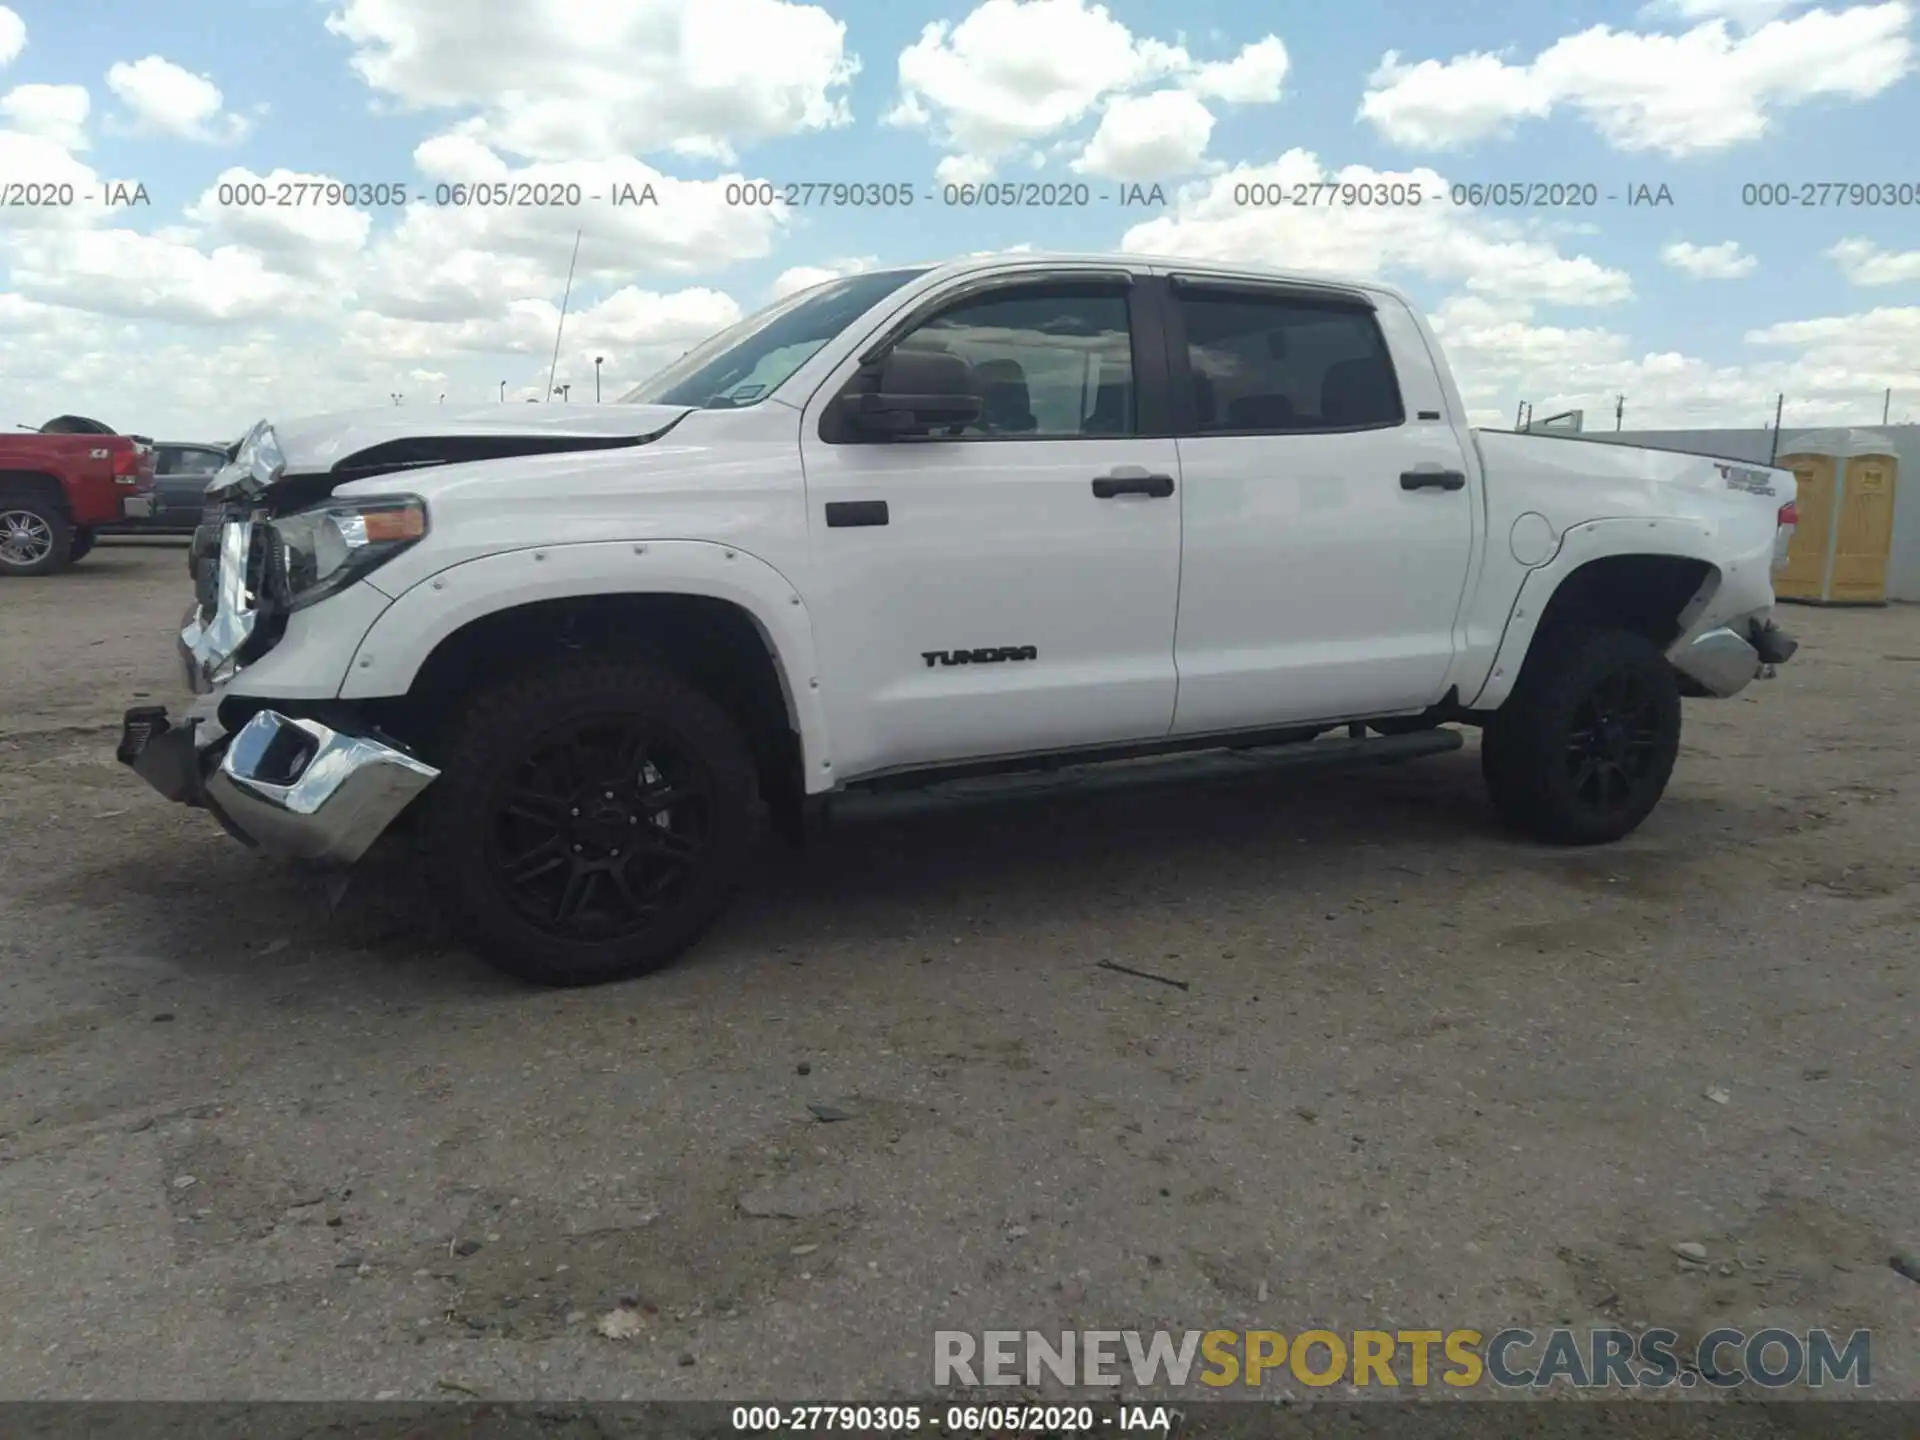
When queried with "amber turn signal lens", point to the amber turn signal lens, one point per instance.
{"points": [[409, 523]]}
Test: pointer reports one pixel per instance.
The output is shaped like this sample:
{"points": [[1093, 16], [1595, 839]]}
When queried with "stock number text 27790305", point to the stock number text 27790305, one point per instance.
{"points": [[1832, 194], [902, 194]]}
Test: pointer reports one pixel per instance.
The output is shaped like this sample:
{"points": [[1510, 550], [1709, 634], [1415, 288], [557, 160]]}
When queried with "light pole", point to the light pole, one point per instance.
{"points": [[397, 396], [599, 360], [561, 391]]}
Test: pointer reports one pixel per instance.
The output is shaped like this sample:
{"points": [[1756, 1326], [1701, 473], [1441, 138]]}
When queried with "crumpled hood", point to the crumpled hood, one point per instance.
{"points": [[395, 437]]}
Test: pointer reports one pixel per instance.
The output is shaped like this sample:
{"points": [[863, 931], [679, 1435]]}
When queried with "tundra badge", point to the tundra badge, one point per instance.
{"points": [[992, 655]]}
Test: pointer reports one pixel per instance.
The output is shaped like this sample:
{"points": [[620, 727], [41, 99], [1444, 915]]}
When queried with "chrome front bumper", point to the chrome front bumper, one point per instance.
{"points": [[287, 785], [1723, 661]]}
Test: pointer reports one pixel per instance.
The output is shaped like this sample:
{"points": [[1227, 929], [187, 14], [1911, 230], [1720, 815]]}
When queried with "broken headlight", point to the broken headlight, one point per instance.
{"points": [[320, 552]]}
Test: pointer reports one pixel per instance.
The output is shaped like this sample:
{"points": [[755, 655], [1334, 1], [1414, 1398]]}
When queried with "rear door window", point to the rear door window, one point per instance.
{"points": [[1280, 364]]}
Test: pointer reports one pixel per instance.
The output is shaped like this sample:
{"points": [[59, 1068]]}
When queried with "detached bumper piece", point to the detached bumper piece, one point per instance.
{"points": [[1724, 661], [291, 786], [161, 753]]}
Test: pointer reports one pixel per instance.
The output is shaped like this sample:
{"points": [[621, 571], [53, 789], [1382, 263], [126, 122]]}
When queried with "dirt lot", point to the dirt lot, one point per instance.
{"points": [[253, 1144]]}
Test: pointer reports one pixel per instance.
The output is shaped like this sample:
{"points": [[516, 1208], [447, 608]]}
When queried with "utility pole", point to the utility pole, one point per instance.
{"points": [[1779, 405], [1886, 404], [1517, 410], [1619, 410], [600, 360], [503, 392]]}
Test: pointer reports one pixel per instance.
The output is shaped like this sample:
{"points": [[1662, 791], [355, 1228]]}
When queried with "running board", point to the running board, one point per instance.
{"points": [[1203, 767]]}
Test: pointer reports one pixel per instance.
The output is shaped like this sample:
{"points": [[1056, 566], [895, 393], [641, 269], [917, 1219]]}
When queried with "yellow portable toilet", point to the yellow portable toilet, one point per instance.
{"points": [[1844, 540]]}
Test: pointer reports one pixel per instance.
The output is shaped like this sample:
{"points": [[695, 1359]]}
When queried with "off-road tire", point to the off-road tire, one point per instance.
{"points": [[81, 543], [498, 733], [1534, 751], [48, 513]]}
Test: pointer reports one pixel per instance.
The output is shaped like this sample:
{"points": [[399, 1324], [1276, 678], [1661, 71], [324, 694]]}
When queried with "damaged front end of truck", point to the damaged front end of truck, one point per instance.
{"points": [[320, 789]]}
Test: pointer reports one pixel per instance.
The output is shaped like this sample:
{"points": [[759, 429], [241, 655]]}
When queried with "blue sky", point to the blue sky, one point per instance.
{"points": [[197, 316]]}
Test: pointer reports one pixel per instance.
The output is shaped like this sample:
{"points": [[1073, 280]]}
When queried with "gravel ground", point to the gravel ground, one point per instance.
{"points": [[260, 1142]]}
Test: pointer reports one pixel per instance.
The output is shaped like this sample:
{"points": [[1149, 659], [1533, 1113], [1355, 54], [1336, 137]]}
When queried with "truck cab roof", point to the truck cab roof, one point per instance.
{"points": [[1002, 261]]}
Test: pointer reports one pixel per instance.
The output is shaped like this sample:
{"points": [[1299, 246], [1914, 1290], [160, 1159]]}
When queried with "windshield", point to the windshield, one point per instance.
{"points": [[746, 362]]}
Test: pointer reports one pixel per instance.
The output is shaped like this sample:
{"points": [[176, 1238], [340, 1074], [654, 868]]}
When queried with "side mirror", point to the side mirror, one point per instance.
{"points": [[916, 391]]}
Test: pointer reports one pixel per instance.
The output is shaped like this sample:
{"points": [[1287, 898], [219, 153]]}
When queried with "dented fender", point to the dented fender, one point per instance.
{"points": [[1597, 540]]}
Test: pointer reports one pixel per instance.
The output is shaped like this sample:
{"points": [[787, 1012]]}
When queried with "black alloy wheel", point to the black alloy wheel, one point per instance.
{"points": [[1582, 750], [1615, 741], [601, 828], [591, 820]]}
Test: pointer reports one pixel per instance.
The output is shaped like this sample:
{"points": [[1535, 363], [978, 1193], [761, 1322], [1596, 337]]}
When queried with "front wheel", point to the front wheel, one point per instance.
{"points": [[1582, 750], [35, 538], [591, 821]]}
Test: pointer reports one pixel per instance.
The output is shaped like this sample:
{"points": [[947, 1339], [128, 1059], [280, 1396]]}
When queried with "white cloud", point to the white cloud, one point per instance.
{"points": [[13, 36], [548, 81], [1865, 263], [802, 277], [1747, 14], [39, 160], [1014, 73], [1846, 362], [457, 262], [121, 272], [1710, 262], [1253, 77], [1703, 90], [1880, 347], [963, 170], [168, 99], [1436, 105], [1834, 371], [313, 237], [402, 307], [54, 113], [1493, 258], [1148, 137], [209, 383], [1497, 277]]}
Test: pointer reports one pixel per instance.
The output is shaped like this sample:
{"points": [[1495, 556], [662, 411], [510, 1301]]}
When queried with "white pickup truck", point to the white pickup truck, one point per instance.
{"points": [[912, 527]]}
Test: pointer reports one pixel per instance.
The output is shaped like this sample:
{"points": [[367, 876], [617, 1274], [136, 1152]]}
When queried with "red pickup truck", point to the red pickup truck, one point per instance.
{"points": [[59, 484]]}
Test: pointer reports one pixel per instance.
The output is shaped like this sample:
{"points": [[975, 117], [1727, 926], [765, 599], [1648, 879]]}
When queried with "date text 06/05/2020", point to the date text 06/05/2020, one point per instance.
{"points": [[757, 194], [1315, 194]]}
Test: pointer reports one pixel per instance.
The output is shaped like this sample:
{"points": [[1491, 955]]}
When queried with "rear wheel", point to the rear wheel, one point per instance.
{"points": [[82, 543], [591, 821], [35, 538], [1582, 750]]}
